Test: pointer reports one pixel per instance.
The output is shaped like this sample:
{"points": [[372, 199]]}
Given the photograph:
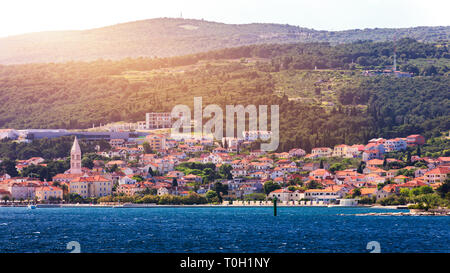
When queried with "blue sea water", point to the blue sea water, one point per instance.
{"points": [[203, 229]]}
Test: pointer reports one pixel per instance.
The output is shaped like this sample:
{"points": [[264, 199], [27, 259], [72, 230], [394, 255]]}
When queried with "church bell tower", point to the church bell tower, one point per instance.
{"points": [[75, 158]]}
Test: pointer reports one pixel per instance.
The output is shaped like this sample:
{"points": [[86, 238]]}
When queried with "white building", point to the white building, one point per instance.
{"points": [[395, 144], [286, 195], [158, 120], [255, 135], [326, 195], [321, 152], [23, 190], [8, 133]]}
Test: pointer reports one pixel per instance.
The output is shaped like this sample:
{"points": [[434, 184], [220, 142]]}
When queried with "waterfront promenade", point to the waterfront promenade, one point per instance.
{"points": [[224, 204]]}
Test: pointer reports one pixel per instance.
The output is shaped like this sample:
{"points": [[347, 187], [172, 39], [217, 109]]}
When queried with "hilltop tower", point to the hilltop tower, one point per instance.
{"points": [[75, 158]]}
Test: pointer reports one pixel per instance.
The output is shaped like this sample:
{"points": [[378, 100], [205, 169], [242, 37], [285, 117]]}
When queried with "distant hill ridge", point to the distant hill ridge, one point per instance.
{"points": [[166, 37]]}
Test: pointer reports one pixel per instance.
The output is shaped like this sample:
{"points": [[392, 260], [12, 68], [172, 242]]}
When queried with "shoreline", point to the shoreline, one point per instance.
{"points": [[411, 213], [195, 206]]}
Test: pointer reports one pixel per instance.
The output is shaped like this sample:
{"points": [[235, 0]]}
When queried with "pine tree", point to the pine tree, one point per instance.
{"points": [[174, 183], [361, 167]]}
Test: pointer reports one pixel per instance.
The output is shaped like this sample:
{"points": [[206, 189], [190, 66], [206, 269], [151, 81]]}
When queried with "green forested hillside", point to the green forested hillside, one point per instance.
{"points": [[325, 106], [165, 37]]}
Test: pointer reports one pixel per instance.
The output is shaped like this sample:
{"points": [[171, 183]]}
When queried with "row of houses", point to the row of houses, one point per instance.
{"points": [[375, 148], [27, 189]]}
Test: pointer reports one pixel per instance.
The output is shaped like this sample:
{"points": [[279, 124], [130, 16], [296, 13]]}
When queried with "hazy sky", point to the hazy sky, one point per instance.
{"points": [[22, 16]]}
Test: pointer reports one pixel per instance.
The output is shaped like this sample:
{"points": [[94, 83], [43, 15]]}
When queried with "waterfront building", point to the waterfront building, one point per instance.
{"points": [[326, 195], [23, 190], [4, 193], [47, 192], [91, 186], [285, 195]]}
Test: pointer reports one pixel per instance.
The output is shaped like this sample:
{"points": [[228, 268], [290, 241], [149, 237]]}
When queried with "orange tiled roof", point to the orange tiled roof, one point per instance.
{"points": [[95, 178]]}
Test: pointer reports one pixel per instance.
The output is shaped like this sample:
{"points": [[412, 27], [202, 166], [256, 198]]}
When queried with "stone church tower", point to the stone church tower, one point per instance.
{"points": [[75, 158]]}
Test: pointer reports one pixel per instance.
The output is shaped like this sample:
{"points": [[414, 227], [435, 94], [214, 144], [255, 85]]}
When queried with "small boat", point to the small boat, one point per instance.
{"points": [[31, 207]]}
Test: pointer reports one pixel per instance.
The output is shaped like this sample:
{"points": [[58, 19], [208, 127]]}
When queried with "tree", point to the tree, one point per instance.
{"points": [[209, 175], [65, 188], [150, 172], [225, 171], [220, 189], [337, 167], [147, 148], [194, 198], [356, 192], [212, 196], [367, 200], [113, 168], [313, 184], [361, 167], [429, 200], [174, 182], [270, 186], [444, 188], [405, 192], [5, 198], [255, 197], [9, 166], [87, 163], [408, 157], [74, 198], [426, 189], [138, 178]]}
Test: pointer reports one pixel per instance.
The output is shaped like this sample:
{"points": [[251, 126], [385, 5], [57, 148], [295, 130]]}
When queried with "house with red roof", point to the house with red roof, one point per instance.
{"points": [[321, 152], [395, 144], [387, 191], [436, 175], [320, 174], [46, 193], [401, 179], [91, 186], [375, 163], [131, 189], [4, 193], [327, 195], [369, 192], [297, 152], [414, 140]]}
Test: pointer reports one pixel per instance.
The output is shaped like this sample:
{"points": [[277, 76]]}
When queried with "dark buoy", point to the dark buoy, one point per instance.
{"points": [[275, 206]]}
